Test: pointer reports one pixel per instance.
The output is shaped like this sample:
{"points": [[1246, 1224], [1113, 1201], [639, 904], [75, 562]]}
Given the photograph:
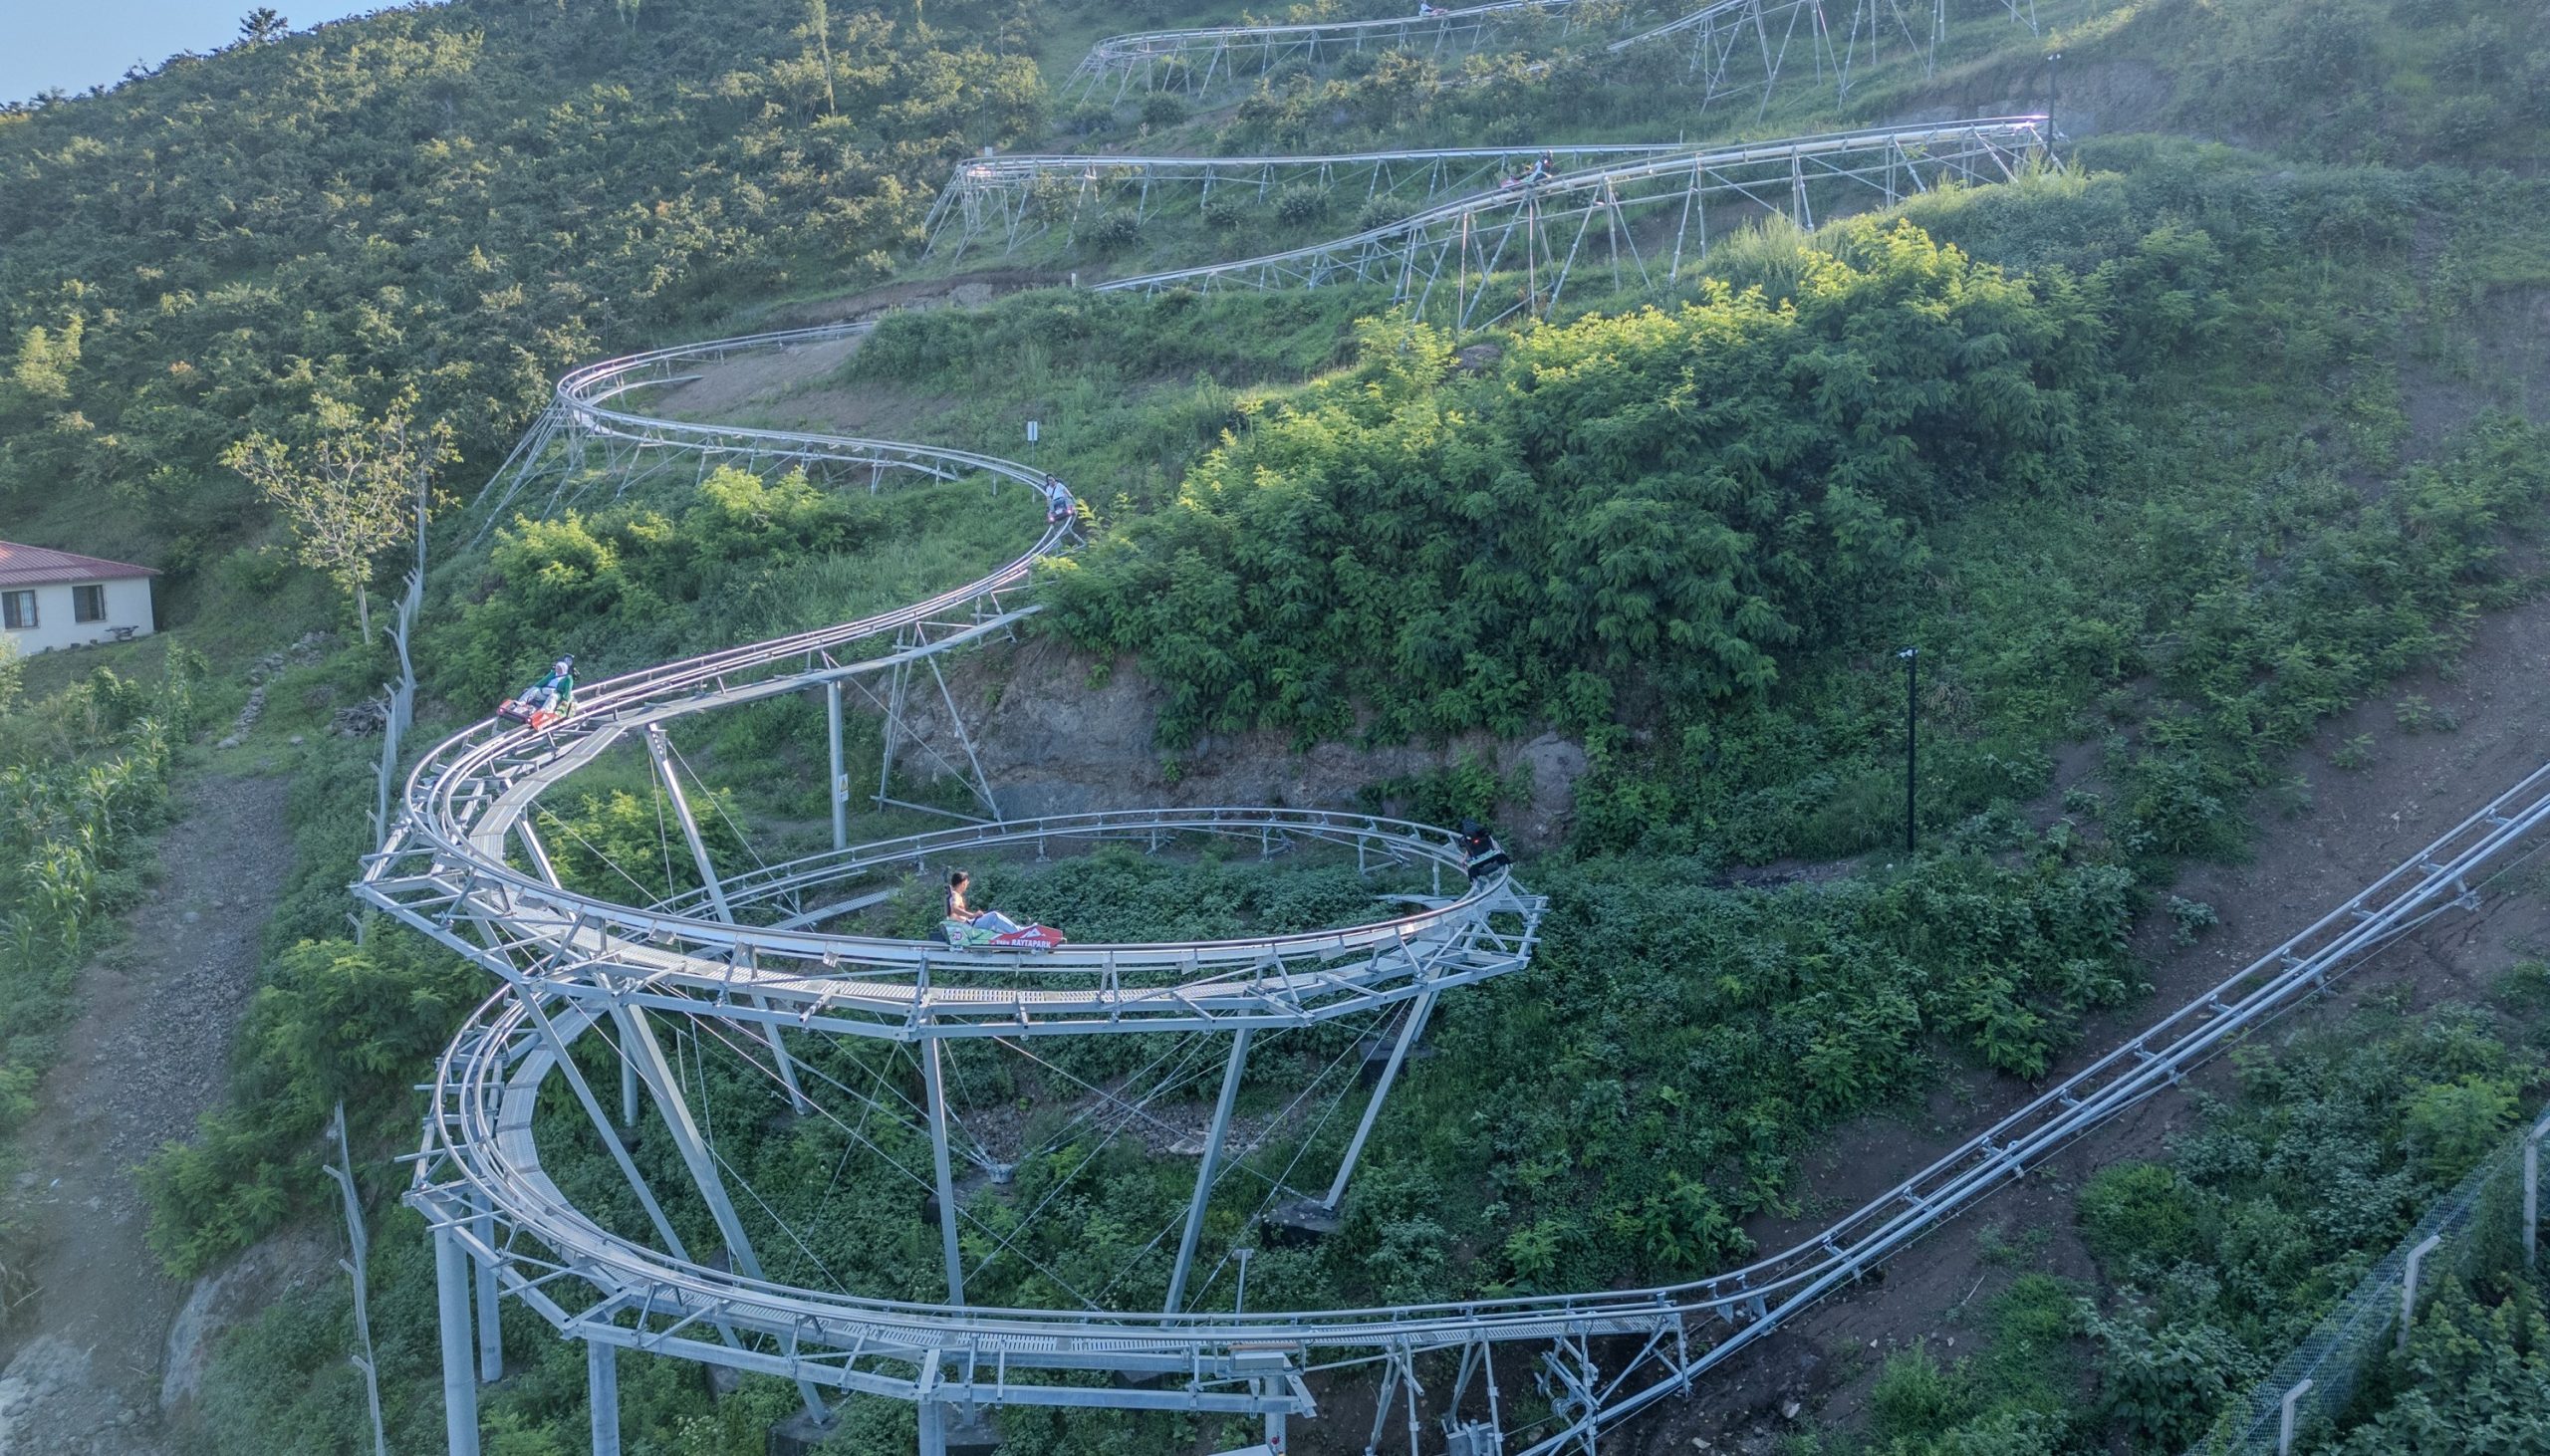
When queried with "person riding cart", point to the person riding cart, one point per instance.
{"points": [[968, 928], [1480, 852], [545, 702]]}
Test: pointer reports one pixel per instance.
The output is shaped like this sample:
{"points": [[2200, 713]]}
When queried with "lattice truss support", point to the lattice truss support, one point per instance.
{"points": [[1200, 61], [1523, 1377], [1632, 225], [1734, 47], [1013, 200]]}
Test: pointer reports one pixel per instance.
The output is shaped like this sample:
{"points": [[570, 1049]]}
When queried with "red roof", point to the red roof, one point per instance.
{"points": [[39, 566]]}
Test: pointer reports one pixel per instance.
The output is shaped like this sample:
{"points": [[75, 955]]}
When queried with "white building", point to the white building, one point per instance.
{"points": [[55, 599]]}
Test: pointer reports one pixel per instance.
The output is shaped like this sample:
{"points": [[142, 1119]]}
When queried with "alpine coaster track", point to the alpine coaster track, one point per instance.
{"points": [[746, 958]]}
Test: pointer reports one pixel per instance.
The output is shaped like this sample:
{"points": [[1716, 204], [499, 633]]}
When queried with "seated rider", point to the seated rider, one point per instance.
{"points": [[556, 692], [959, 911], [1058, 500], [1479, 850]]}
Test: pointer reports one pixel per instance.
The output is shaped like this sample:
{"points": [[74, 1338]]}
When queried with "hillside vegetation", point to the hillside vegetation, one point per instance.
{"points": [[2129, 452], [463, 198]]}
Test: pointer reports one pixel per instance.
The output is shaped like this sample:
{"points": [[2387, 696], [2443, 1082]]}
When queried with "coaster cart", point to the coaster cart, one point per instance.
{"points": [[537, 717], [1030, 938]]}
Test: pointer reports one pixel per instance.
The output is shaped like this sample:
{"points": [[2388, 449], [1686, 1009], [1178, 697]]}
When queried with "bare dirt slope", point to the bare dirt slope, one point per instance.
{"points": [[2360, 822], [149, 1054], [778, 388]]}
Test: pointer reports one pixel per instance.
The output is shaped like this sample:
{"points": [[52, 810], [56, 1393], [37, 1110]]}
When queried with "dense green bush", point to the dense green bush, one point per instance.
{"points": [[2128, 1209], [83, 785], [2476, 1378], [1114, 230], [1632, 508], [1225, 210], [745, 556], [1301, 204]]}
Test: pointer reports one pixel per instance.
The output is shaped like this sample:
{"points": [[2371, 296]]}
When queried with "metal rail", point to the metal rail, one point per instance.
{"points": [[1733, 46], [573, 965], [480, 1155], [1004, 193], [1480, 258]]}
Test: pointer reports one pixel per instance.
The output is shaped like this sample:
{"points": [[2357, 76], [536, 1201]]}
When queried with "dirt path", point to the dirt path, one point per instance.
{"points": [[2359, 822], [149, 1053]]}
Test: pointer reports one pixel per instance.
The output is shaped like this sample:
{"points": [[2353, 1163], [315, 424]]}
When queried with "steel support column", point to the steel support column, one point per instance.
{"points": [[601, 1394], [637, 1043], [491, 1342], [660, 748], [1409, 1031], [1204, 1171], [936, 1083], [1275, 1435], [896, 684], [459, 1370], [840, 790]]}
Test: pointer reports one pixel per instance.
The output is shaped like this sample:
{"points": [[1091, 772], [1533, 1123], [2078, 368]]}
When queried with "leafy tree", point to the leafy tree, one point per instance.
{"points": [[356, 488], [263, 25]]}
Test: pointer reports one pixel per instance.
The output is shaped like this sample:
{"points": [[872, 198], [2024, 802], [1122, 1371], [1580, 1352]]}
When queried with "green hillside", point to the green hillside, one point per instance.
{"points": [[2165, 460]]}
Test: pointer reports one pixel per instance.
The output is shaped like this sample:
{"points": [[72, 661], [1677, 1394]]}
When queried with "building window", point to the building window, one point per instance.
{"points": [[88, 603], [18, 609]]}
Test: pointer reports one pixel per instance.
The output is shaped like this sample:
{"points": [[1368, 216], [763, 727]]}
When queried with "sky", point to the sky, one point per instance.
{"points": [[46, 43]]}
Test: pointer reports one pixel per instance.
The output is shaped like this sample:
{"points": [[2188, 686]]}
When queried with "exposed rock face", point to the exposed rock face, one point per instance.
{"points": [[1054, 742], [219, 1302], [361, 720]]}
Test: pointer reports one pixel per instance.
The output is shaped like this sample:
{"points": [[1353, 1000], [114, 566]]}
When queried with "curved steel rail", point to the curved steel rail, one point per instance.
{"points": [[446, 866], [570, 961], [1473, 233], [481, 1153], [1147, 51]]}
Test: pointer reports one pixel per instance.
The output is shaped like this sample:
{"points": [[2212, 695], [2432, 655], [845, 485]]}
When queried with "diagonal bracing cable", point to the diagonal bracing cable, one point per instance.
{"points": [[591, 849], [711, 796], [917, 1180], [1282, 1182]]}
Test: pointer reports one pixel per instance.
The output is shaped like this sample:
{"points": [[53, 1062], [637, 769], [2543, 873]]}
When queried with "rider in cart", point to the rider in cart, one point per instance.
{"points": [[1058, 500], [964, 926], [547, 701]]}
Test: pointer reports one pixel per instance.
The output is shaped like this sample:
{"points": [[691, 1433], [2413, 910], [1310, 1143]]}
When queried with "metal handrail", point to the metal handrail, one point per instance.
{"points": [[2425, 882], [2028, 128], [1139, 45], [479, 1152]]}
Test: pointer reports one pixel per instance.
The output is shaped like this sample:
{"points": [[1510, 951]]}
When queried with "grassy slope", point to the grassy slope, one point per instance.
{"points": [[1104, 398]]}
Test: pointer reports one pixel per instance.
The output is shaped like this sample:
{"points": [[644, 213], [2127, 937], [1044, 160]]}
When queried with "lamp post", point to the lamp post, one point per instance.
{"points": [[1911, 674], [2053, 72]]}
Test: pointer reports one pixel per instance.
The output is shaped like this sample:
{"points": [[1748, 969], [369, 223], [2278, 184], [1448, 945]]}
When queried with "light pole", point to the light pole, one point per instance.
{"points": [[2053, 72], [1911, 674]]}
